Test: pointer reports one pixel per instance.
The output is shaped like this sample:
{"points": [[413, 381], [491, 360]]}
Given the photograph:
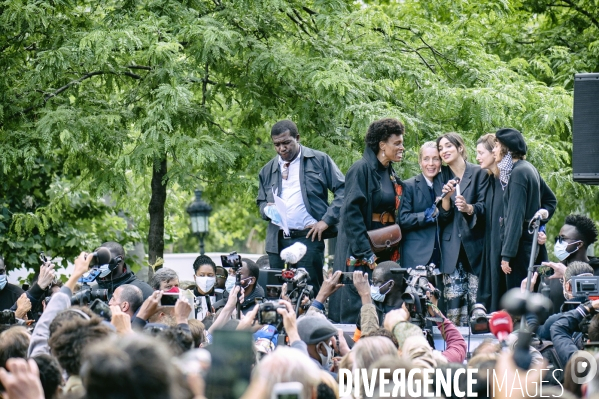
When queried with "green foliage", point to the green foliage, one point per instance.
{"points": [[105, 89]]}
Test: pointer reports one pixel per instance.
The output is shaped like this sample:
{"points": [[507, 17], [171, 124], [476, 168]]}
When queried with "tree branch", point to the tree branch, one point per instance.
{"points": [[570, 4]]}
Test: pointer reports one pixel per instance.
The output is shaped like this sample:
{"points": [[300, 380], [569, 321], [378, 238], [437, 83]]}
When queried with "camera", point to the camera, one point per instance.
{"points": [[479, 319], [87, 295], [297, 285], [233, 260], [267, 313], [415, 296]]}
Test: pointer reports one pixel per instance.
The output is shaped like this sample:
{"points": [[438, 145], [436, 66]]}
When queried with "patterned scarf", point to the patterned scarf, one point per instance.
{"points": [[398, 194], [505, 167]]}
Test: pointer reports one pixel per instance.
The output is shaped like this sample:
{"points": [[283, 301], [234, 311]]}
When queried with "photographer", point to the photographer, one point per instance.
{"points": [[120, 274], [59, 302], [564, 328], [387, 288], [249, 272], [10, 293], [396, 322], [576, 269]]}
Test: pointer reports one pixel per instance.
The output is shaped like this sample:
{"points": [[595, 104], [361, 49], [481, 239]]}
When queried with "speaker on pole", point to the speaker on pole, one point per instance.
{"points": [[585, 130]]}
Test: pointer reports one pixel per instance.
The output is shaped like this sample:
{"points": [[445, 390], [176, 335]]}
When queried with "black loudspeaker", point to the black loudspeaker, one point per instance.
{"points": [[585, 130]]}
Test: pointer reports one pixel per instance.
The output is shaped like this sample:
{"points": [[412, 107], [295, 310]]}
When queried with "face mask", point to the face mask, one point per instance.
{"points": [[326, 361], [230, 283], [173, 290], [205, 283], [560, 250], [3, 281], [246, 282], [375, 292]]}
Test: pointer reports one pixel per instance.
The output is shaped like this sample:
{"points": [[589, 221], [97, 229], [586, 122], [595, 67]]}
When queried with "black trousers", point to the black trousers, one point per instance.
{"points": [[519, 263], [312, 261]]}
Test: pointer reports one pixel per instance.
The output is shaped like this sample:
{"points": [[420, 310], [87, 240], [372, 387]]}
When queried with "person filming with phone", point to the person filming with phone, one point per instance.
{"points": [[575, 269]]}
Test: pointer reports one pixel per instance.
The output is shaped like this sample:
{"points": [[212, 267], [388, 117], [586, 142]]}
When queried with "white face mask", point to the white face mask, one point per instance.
{"points": [[230, 283], [560, 250], [205, 283], [3, 281]]}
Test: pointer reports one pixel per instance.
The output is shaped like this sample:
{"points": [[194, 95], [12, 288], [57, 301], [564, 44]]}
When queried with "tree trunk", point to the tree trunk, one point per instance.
{"points": [[156, 210]]}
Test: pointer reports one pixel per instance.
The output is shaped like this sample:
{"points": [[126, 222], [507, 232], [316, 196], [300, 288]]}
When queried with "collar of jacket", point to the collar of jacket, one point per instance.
{"points": [[124, 279], [306, 153], [370, 158], [249, 300]]}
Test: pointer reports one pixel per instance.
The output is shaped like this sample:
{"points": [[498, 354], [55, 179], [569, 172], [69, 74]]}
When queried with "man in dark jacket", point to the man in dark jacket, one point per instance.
{"points": [[525, 192], [9, 293], [565, 332], [249, 282], [121, 275], [302, 177]]}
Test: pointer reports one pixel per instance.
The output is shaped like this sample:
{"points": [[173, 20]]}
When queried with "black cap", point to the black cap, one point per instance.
{"points": [[512, 139]]}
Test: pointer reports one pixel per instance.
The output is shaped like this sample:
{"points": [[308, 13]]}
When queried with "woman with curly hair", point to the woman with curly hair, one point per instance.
{"points": [[372, 198]]}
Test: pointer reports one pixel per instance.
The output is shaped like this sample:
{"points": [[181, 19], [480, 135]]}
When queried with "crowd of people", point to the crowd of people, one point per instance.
{"points": [[410, 254]]}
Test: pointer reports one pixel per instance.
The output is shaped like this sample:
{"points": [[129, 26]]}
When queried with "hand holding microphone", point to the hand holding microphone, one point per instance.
{"points": [[448, 189]]}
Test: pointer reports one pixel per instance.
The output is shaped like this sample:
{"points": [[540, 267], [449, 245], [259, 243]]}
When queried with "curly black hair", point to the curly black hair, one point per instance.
{"points": [[203, 260], [381, 130], [585, 227]]}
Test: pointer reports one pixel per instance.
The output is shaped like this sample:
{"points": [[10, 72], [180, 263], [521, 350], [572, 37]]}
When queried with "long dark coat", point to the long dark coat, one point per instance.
{"points": [[362, 195]]}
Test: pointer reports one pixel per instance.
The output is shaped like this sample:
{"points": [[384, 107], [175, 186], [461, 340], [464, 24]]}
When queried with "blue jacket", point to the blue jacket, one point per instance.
{"points": [[318, 175]]}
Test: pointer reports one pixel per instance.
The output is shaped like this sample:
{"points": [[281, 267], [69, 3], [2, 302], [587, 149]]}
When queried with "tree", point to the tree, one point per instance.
{"points": [[147, 100]]}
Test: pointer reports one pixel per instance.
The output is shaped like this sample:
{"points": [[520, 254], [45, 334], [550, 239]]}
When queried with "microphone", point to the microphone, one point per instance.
{"points": [[501, 325], [102, 256], [541, 214], [457, 180], [294, 253]]}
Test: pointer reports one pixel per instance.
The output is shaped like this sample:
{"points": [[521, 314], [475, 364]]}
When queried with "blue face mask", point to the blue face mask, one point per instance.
{"points": [[230, 283], [3, 281], [375, 292], [560, 250]]}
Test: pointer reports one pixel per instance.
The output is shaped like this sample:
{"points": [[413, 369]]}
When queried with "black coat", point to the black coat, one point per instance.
{"points": [[525, 194], [461, 228], [418, 236], [491, 284], [362, 195]]}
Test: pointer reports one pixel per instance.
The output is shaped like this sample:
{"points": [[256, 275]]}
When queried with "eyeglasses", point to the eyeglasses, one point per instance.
{"points": [[285, 171], [561, 240]]}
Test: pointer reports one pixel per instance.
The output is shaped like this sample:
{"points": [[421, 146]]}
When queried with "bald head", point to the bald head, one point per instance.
{"points": [[128, 297]]}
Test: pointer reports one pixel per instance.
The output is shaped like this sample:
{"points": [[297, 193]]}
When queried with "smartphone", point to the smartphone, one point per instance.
{"points": [[101, 308], [544, 270], [347, 278], [287, 390], [230, 347], [169, 298]]}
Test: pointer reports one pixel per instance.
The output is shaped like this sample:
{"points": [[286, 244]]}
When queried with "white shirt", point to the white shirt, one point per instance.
{"points": [[291, 192]]}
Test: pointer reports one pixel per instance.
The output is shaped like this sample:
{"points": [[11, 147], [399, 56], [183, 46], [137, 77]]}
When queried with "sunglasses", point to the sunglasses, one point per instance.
{"points": [[561, 240]]}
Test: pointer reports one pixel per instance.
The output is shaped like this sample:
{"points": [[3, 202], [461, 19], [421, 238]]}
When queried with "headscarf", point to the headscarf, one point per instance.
{"points": [[505, 167]]}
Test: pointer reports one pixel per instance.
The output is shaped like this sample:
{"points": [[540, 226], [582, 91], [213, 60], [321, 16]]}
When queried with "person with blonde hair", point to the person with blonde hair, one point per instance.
{"points": [[284, 365], [418, 216]]}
